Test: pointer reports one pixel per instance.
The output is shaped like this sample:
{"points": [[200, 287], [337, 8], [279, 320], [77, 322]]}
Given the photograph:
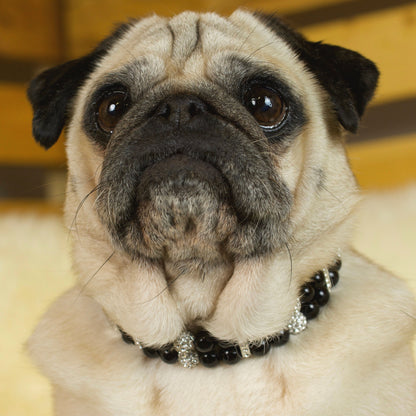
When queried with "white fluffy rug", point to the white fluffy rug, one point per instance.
{"points": [[35, 268]]}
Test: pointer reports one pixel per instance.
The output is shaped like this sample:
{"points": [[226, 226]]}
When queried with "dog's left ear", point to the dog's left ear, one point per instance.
{"points": [[52, 92], [348, 77]]}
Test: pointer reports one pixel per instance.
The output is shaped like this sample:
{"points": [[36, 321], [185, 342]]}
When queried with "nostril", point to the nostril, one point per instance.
{"points": [[164, 111], [194, 109]]}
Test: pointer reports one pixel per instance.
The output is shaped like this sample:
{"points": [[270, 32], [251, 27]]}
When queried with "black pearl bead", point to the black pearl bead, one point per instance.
{"points": [[307, 292], [260, 349], [150, 352], [229, 355], [337, 266], [310, 310], [318, 280], [281, 338], [322, 296], [168, 355], [334, 276], [128, 339], [209, 359], [204, 342]]}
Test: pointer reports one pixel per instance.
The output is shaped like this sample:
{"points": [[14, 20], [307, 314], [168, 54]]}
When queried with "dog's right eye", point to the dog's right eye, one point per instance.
{"points": [[266, 106], [111, 109]]}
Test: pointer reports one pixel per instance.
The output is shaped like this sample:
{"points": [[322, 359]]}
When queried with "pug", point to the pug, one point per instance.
{"points": [[210, 206]]}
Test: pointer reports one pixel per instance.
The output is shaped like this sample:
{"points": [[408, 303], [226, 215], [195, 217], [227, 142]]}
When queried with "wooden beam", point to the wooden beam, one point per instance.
{"points": [[29, 29], [384, 163]]}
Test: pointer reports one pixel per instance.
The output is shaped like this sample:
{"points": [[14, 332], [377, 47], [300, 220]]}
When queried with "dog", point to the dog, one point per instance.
{"points": [[210, 204]]}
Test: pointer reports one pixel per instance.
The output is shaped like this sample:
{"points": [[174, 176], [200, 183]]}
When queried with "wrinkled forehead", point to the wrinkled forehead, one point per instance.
{"points": [[189, 42]]}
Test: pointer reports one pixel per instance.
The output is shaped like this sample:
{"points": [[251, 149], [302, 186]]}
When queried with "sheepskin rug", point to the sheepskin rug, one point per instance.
{"points": [[35, 268]]}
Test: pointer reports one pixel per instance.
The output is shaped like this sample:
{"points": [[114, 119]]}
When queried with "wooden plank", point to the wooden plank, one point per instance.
{"points": [[278, 6], [17, 145], [30, 206], [388, 38], [384, 163], [29, 29]]}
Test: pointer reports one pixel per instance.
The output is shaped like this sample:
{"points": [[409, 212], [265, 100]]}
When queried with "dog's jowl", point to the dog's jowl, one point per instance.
{"points": [[209, 202]]}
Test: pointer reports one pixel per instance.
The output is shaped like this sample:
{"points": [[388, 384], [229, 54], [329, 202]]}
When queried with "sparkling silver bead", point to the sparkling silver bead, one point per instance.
{"points": [[298, 321], [245, 351], [327, 279], [138, 343], [187, 356]]}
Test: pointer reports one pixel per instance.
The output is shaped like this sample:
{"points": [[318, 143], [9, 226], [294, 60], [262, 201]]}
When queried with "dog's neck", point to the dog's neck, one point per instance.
{"points": [[196, 284], [193, 348]]}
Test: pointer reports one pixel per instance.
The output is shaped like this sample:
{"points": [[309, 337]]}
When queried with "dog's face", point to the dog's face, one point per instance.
{"points": [[200, 144]]}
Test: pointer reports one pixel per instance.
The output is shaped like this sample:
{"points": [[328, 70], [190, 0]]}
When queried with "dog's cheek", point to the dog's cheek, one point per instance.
{"points": [[84, 169]]}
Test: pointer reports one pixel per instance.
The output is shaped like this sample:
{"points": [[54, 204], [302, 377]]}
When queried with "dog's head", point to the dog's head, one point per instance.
{"points": [[201, 143]]}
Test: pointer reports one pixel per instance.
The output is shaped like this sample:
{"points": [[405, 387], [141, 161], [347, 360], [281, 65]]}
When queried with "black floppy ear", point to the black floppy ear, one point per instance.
{"points": [[51, 93], [348, 77]]}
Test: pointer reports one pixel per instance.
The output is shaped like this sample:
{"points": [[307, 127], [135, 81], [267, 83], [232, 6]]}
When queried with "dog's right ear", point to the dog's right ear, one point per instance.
{"points": [[52, 92]]}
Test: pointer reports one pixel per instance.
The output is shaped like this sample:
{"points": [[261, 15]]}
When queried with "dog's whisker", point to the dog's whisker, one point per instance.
{"points": [[84, 286], [246, 39], [260, 48], [80, 205], [408, 314], [291, 263], [168, 285]]}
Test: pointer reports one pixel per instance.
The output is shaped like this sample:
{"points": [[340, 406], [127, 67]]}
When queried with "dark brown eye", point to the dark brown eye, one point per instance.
{"points": [[111, 109], [266, 106]]}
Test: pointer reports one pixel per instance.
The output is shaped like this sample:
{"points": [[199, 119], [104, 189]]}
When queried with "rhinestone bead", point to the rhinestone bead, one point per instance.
{"points": [[245, 350], [187, 355], [328, 283], [189, 359], [298, 323]]}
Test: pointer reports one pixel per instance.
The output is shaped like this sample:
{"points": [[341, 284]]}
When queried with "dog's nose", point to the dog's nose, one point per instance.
{"points": [[181, 109]]}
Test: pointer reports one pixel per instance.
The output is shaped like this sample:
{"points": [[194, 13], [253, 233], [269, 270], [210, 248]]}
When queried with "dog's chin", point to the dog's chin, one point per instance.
{"points": [[183, 211]]}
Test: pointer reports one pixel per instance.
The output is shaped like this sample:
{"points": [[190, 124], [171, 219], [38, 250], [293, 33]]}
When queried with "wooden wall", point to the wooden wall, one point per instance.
{"points": [[37, 33]]}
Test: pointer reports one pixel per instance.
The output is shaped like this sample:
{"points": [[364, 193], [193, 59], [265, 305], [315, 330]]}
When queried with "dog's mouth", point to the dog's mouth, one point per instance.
{"points": [[184, 209]]}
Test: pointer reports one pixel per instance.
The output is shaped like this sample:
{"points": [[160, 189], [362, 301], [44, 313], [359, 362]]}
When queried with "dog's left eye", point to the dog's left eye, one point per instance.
{"points": [[266, 106], [111, 109]]}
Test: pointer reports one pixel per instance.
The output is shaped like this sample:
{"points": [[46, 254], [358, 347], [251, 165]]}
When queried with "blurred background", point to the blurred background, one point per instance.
{"points": [[35, 34]]}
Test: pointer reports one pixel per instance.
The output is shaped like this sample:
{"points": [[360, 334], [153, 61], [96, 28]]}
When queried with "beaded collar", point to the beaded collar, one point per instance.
{"points": [[190, 349]]}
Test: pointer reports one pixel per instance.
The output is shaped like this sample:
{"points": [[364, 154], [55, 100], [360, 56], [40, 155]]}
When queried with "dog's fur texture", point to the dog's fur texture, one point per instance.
{"points": [[188, 213]]}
